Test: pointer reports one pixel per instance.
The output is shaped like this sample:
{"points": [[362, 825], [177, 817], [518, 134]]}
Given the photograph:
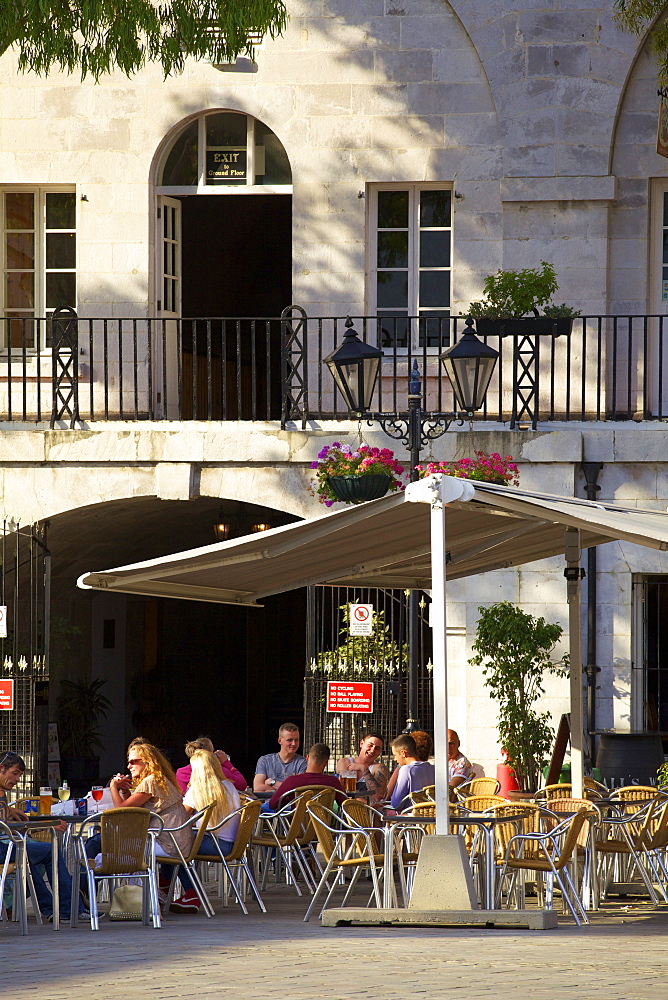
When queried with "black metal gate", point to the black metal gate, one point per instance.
{"points": [[332, 654], [24, 652]]}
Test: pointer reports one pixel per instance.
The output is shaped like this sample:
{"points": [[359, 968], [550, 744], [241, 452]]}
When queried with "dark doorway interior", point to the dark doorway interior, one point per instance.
{"points": [[236, 264], [234, 674]]}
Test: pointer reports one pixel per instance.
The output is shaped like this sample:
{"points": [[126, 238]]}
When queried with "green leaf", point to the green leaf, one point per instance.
{"points": [[514, 650], [96, 37]]}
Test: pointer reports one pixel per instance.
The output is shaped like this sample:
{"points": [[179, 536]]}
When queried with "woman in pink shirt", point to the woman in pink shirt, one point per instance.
{"points": [[229, 772]]}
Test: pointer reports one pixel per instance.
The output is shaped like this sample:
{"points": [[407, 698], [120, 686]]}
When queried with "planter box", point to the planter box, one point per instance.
{"points": [[525, 326]]}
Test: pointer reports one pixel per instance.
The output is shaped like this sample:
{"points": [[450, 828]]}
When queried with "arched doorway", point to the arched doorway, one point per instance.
{"points": [[224, 266], [174, 669]]}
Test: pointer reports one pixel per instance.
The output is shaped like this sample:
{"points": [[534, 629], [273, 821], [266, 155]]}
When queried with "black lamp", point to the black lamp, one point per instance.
{"points": [[469, 364], [355, 366]]}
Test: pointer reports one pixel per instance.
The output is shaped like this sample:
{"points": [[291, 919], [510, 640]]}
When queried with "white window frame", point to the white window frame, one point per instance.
{"points": [[414, 188], [217, 189], [657, 305], [40, 192]]}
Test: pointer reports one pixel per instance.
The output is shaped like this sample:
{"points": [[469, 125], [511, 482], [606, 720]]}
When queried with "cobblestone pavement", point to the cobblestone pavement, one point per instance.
{"points": [[621, 956]]}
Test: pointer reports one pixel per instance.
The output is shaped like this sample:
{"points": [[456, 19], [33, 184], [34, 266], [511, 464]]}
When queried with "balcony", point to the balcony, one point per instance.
{"points": [[270, 368]]}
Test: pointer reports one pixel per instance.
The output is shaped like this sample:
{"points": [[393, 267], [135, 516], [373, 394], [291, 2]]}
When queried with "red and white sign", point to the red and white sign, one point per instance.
{"points": [[361, 619], [349, 696], [6, 694]]}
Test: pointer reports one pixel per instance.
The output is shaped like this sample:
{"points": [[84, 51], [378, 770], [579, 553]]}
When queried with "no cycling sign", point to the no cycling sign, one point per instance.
{"points": [[361, 619]]}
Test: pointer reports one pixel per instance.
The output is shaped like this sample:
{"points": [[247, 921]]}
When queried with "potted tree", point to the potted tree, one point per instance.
{"points": [[81, 708], [510, 295], [515, 652], [354, 474]]}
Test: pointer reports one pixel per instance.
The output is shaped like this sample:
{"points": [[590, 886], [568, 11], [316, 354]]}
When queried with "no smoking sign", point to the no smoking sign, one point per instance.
{"points": [[361, 619]]}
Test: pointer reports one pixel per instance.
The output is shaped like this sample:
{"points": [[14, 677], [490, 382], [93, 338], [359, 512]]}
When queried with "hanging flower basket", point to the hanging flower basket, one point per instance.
{"points": [[354, 475], [357, 489]]}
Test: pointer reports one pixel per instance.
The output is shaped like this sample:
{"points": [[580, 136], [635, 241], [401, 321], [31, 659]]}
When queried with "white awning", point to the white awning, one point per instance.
{"points": [[385, 543]]}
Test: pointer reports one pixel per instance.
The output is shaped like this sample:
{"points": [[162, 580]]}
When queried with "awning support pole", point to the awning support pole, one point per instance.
{"points": [[573, 575]]}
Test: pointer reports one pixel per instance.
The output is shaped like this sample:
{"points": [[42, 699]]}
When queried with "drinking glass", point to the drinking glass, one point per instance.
{"points": [[349, 779], [45, 801], [97, 791], [63, 792]]}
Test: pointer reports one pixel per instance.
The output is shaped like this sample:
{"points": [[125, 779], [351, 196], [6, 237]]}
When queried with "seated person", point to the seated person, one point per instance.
{"points": [[459, 767], [316, 761], [371, 773], [414, 773], [230, 773], [272, 769], [425, 748], [208, 785], [39, 854]]}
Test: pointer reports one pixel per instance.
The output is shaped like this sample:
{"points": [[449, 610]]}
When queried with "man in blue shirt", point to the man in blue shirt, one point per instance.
{"points": [[272, 769], [414, 773]]}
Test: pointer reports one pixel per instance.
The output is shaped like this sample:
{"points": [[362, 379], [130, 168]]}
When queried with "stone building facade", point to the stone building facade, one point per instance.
{"points": [[388, 155]]}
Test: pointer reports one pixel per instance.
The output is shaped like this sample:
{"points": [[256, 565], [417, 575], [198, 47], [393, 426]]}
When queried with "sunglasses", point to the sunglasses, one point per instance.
{"points": [[8, 756], [136, 761]]}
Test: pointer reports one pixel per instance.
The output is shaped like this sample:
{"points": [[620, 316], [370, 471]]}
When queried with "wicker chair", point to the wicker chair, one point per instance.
{"points": [[188, 861], [308, 840], [554, 852], [128, 851], [13, 866], [644, 826], [635, 797], [237, 859], [293, 820], [345, 848], [478, 786], [479, 803]]}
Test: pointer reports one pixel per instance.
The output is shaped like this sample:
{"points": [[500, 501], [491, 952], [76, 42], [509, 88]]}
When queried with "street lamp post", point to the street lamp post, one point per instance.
{"points": [[355, 367]]}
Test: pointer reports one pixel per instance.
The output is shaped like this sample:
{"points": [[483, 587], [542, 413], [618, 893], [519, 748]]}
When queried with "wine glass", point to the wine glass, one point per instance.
{"points": [[97, 791], [64, 792]]}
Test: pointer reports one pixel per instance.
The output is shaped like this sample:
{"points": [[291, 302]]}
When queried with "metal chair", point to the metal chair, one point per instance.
{"points": [[478, 786], [554, 852], [345, 848], [292, 820], [188, 861], [128, 851], [238, 857], [16, 866]]}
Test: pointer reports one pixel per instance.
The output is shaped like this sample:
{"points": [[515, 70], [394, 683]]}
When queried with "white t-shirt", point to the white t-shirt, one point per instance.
{"points": [[229, 830]]}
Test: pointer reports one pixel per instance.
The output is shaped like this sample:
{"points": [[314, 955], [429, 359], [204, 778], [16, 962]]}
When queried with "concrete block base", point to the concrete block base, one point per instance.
{"points": [[443, 879], [532, 920]]}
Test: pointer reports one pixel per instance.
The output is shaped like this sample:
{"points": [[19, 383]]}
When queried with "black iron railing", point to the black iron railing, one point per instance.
{"points": [[270, 368]]}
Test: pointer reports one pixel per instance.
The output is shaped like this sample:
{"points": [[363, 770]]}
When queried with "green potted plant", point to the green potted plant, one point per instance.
{"points": [[81, 708], [510, 295], [514, 650], [354, 475]]}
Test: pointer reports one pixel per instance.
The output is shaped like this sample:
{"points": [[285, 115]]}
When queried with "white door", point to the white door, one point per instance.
{"points": [[166, 353]]}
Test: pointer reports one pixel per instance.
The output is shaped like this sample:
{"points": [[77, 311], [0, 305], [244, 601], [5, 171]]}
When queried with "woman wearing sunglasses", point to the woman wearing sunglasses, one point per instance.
{"points": [[152, 785]]}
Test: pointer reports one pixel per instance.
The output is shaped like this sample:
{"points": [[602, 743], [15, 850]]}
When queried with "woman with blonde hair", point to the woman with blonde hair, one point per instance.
{"points": [[229, 771], [152, 785], [208, 784]]}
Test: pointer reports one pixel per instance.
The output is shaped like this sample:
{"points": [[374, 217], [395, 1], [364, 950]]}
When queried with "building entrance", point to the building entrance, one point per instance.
{"points": [[236, 280]]}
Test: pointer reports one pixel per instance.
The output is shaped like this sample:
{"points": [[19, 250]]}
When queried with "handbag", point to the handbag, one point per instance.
{"points": [[126, 903]]}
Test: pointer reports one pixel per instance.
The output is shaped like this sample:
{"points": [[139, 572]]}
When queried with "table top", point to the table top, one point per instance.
{"points": [[487, 818]]}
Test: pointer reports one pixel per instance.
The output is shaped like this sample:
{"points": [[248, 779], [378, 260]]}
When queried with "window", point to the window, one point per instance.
{"points": [[39, 261], [411, 253], [224, 149]]}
